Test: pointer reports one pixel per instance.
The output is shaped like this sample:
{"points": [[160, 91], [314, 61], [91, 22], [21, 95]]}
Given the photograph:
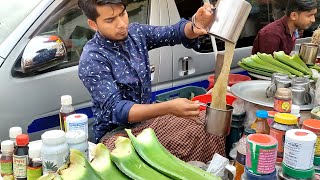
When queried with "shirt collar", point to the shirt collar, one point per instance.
{"points": [[284, 21], [106, 42]]}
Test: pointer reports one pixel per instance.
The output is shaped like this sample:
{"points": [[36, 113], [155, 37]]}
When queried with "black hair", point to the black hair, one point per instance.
{"points": [[89, 6], [300, 6]]}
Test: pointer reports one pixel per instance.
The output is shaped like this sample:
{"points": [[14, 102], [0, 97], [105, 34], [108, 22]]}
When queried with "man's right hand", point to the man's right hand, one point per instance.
{"points": [[185, 108]]}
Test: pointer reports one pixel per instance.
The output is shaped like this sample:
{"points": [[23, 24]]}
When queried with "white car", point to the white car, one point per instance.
{"points": [[36, 68]]}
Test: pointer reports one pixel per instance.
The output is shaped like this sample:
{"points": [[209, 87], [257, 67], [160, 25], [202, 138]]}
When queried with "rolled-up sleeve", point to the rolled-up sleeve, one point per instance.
{"points": [[157, 36]]}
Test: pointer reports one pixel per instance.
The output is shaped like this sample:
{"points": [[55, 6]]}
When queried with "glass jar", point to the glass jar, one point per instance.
{"points": [[54, 150], [283, 100], [281, 124]]}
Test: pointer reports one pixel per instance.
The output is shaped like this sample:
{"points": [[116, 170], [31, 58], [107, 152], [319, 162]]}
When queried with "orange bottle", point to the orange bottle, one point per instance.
{"points": [[261, 123]]}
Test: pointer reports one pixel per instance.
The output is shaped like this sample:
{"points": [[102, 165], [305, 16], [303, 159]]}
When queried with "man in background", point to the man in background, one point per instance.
{"points": [[280, 35]]}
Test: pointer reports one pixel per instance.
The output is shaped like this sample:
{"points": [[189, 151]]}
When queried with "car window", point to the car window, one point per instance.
{"points": [[9, 21], [72, 27]]}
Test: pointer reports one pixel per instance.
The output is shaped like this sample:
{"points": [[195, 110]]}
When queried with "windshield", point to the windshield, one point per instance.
{"points": [[12, 13]]}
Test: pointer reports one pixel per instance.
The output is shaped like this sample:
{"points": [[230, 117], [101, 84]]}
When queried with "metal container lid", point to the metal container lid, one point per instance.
{"points": [[283, 93]]}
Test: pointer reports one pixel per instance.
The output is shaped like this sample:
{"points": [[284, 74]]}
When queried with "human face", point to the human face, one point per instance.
{"points": [[304, 20], [112, 22]]}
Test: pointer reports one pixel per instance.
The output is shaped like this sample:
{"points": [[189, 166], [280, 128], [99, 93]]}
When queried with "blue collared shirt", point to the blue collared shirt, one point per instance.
{"points": [[117, 74]]}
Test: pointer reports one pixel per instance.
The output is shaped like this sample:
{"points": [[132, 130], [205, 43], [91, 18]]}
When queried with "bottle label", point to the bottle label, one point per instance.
{"points": [[20, 166], [50, 166], [34, 173], [283, 106], [6, 167], [280, 136]]}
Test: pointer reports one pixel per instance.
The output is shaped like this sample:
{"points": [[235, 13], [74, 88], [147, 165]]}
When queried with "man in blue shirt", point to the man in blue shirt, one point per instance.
{"points": [[114, 65]]}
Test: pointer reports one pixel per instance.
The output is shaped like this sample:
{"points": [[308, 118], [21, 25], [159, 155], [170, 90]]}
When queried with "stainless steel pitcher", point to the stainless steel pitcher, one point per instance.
{"points": [[308, 52], [230, 17]]}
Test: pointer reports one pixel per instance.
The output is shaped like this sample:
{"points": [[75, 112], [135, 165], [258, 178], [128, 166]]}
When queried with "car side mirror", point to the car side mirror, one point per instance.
{"points": [[43, 52]]}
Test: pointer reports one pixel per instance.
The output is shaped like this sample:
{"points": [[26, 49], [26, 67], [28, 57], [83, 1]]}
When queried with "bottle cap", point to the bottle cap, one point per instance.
{"points": [[312, 125], [7, 145], [22, 140], [66, 100], [249, 131], [295, 109], [53, 137], [285, 118], [76, 136], [14, 132], [262, 114], [34, 151]]}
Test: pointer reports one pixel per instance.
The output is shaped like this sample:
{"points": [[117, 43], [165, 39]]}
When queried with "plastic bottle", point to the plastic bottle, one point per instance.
{"points": [[261, 123], [34, 169], [7, 148], [66, 109], [20, 157], [14, 132], [77, 122], [241, 153], [295, 110], [78, 140]]}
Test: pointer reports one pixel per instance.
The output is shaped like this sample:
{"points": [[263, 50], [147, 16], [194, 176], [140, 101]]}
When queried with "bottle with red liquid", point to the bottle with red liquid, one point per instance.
{"points": [[66, 110], [7, 148], [20, 157]]}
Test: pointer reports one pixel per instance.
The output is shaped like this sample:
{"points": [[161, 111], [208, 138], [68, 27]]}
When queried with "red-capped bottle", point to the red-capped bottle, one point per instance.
{"points": [[20, 157]]}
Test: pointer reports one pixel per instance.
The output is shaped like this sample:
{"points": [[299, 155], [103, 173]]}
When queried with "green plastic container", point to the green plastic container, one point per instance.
{"points": [[186, 92]]}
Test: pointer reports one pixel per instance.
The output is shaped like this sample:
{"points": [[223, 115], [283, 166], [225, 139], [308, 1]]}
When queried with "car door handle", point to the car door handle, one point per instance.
{"points": [[152, 68]]}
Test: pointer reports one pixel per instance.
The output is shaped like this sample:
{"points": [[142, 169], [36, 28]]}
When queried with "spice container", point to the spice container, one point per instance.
{"points": [[282, 123], [283, 100], [314, 126], [78, 140], [54, 150], [7, 148]]}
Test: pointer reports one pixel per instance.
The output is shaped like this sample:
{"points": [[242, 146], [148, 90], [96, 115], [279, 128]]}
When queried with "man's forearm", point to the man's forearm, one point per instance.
{"points": [[141, 112]]}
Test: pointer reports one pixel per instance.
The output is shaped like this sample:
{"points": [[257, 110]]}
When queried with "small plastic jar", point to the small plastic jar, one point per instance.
{"points": [[78, 140], [54, 150], [281, 124], [283, 100]]}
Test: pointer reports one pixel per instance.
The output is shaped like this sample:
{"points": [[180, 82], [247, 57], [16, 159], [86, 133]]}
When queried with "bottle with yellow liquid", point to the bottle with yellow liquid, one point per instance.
{"points": [[66, 110], [261, 125]]}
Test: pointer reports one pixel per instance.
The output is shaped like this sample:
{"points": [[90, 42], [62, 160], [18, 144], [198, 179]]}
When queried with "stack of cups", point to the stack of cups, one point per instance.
{"points": [[298, 154], [314, 126], [261, 157]]}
